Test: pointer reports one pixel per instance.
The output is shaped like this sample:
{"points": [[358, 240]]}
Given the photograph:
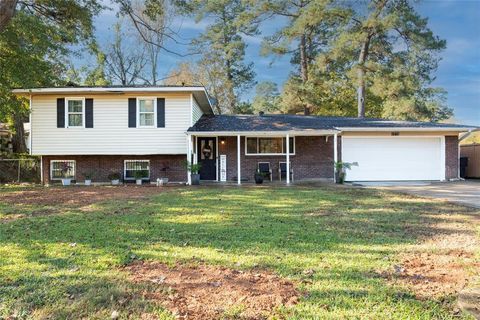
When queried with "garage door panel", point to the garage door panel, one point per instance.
{"points": [[393, 158]]}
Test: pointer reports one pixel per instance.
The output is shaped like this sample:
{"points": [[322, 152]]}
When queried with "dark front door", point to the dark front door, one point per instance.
{"points": [[207, 157]]}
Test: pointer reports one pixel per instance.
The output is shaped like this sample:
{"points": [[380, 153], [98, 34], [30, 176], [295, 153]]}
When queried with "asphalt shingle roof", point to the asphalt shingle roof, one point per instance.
{"points": [[283, 122]]}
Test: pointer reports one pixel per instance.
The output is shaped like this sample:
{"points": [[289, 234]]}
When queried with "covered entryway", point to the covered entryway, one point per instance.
{"points": [[207, 157], [394, 158]]}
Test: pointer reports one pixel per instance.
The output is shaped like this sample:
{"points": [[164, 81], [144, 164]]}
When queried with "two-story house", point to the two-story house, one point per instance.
{"points": [[125, 129]]}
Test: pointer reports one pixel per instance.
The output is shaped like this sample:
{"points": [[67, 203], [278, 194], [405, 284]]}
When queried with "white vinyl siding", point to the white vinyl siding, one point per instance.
{"points": [[196, 111], [111, 134]]}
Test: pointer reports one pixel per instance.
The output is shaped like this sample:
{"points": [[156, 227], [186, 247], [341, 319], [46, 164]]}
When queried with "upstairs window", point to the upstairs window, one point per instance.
{"points": [[75, 113], [146, 113], [269, 146]]}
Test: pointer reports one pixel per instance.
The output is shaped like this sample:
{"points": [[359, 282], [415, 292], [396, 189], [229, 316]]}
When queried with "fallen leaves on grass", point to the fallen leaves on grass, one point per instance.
{"points": [[444, 263], [208, 292]]}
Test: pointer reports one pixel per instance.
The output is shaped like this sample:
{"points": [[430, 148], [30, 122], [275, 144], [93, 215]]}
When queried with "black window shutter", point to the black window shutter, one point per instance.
{"points": [[160, 112], [89, 113], [61, 113], [132, 112]]}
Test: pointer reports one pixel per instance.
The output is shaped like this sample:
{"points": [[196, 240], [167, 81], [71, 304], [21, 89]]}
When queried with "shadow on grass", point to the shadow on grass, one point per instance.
{"points": [[341, 233]]}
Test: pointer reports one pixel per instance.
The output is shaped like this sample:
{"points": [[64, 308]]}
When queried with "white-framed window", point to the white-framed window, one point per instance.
{"points": [[60, 169], [75, 112], [134, 167], [146, 112], [268, 145]]}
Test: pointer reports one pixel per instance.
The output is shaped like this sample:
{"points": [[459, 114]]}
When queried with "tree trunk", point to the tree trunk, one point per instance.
{"points": [[303, 59], [304, 69], [361, 77], [18, 139], [7, 11]]}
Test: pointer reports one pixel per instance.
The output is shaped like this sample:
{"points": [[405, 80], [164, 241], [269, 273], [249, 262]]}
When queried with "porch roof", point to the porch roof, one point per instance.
{"points": [[286, 123]]}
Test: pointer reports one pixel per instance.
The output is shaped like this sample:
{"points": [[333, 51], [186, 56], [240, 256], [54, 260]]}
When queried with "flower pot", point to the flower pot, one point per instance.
{"points": [[258, 178], [88, 182], [66, 181], [195, 179], [138, 182], [340, 177], [115, 182]]}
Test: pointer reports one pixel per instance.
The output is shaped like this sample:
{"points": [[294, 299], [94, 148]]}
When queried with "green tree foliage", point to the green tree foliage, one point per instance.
{"points": [[222, 46], [33, 50], [267, 98], [388, 53], [311, 25]]}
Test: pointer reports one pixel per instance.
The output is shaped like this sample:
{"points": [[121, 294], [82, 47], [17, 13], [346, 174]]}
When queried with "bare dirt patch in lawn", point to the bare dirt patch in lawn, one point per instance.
{"points": [[445, 262], [46, 201], [76, 195], [209, 292]]}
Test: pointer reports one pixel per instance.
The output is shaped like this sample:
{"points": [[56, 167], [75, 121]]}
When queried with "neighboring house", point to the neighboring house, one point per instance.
{"points": [[471, 155], [6, 135], [5, 139], [125, 129]]}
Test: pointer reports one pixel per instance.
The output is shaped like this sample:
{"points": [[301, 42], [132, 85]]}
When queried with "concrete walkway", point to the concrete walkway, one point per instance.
{"points": [[463, 192]]}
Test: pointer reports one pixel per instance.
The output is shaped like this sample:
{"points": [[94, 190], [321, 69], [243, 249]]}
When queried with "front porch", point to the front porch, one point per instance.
{"points": [[235, 157]]}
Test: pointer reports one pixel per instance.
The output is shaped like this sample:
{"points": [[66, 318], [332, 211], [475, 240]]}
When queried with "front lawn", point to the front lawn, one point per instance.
{"points": [[351, 252]]}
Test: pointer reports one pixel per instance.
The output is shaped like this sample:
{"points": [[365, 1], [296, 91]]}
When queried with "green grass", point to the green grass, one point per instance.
{"points": [[66, 265]]}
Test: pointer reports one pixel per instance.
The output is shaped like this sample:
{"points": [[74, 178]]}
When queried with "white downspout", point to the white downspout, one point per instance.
{"points": [[335, 154], [239, 179], [189, 158], [287, 143], [30, 120]]}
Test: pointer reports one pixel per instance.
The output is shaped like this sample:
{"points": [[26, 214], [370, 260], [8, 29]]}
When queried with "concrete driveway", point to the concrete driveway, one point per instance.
{"points": [[462, 192]]}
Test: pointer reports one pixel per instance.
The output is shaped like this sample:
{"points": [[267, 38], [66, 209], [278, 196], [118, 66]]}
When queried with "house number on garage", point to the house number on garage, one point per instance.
{"points": [[223, 167]]}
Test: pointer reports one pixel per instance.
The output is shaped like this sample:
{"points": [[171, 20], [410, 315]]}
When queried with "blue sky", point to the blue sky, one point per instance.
{"points": [[457, 21]]}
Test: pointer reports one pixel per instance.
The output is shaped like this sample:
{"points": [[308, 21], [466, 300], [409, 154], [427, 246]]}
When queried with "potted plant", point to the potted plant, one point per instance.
{"points": [[194, 169], [164, 179], [114, 177], [88, 177], [65, 169], [258, 176], [341, 170], [139, 176]]}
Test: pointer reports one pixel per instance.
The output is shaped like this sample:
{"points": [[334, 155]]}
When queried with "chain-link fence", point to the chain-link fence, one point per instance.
{"points": [[19, 170]]}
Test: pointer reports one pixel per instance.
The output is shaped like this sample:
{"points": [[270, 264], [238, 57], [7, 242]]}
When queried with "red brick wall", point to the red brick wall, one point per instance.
{"points": [[103, 165], [313, 159], [451, 157]]}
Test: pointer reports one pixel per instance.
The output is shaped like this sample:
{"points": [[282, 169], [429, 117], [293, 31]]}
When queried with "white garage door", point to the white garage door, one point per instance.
{"points": [[394, 158]]}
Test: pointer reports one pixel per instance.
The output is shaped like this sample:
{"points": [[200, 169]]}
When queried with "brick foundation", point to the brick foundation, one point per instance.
{"points": [[451, 157], [313, 158], [103, 165]]}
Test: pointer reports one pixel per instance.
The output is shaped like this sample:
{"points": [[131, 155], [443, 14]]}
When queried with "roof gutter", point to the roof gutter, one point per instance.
{"points": [[468, 134], [106, 90], [428, 129], [264, 133]]}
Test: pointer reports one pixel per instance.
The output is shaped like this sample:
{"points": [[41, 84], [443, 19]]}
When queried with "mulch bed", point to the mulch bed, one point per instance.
{"points": [[210, 292]]}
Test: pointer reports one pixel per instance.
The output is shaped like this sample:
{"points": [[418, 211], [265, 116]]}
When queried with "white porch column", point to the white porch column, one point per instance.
{"points": [[287, 143], [238, 161], [335, 154], [189, 157]]}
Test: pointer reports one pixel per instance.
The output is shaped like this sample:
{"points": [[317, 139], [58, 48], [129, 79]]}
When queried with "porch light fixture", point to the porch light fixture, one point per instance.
{"points": [[222, 141]]}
